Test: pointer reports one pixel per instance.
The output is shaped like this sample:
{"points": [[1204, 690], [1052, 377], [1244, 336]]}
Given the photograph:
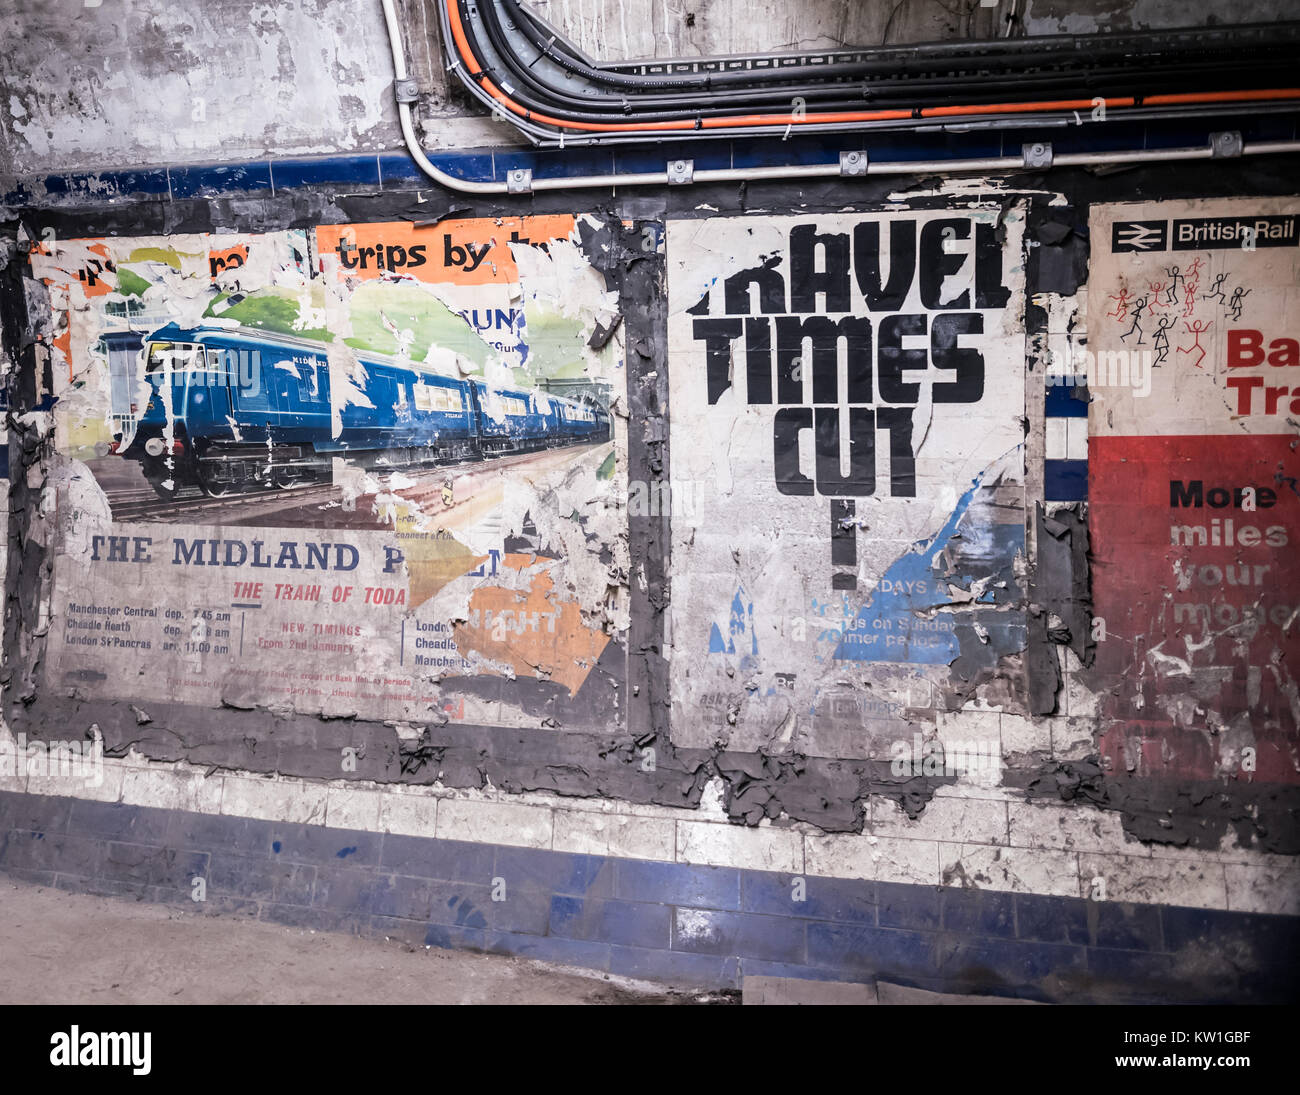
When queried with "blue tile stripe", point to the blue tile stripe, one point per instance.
{"points": [[1066, 401], [395, 168], [709, 926], [1065, 480]]}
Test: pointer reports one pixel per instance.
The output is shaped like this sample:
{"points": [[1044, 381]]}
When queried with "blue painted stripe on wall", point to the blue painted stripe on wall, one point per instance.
{"points": [[554, 163], [1066, 401], [337, 170], [1065, 480], [705, 154], [490, 164], [210, 180], [707, 926], [397, 169], [104, 185]]}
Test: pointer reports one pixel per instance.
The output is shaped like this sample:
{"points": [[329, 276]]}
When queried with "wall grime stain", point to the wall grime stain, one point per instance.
{"points": [[199, 98]]}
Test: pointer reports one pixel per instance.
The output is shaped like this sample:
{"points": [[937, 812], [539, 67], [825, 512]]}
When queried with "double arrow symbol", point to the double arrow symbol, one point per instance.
{"points": [[1139, 236]]}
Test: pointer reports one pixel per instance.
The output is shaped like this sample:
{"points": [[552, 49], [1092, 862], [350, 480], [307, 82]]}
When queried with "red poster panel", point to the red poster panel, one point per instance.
{"points": [[1198, 581], [1194, 487]]}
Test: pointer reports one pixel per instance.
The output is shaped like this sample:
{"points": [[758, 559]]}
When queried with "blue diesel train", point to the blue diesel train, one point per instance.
{"points": [[231, 410]]}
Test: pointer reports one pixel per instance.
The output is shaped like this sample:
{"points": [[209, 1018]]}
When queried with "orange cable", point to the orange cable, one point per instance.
{"points": [[468, 58]]}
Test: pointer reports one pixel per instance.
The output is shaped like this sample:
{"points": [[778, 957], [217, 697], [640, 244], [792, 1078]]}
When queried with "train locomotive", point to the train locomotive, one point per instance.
{"points": [[231, 410]]}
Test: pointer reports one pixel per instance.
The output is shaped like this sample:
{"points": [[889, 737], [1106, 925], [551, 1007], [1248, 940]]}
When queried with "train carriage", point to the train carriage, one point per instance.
{"points": [[510, 420], [231, 410], [582, 420]]}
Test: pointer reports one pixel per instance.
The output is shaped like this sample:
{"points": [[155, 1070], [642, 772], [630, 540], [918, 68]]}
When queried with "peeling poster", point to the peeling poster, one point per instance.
{"points": [[363, 470], [1194, 486], [847, 487]]}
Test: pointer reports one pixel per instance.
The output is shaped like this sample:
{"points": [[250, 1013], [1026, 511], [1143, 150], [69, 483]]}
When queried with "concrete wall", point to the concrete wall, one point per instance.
{"points": [[647, 29], [652, 28], [1066, 17], [144, 82]]}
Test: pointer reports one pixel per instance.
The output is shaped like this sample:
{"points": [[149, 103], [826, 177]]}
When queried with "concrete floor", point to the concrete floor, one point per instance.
{"points": [[71, 948]]}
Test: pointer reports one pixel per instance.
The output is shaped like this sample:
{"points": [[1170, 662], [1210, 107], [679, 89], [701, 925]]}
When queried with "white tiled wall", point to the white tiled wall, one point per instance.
{"points": [[969, 834]]}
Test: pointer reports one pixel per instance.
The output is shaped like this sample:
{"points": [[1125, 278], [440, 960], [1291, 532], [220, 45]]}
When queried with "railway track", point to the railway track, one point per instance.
{"points": [[192, 502], [192, 506]]}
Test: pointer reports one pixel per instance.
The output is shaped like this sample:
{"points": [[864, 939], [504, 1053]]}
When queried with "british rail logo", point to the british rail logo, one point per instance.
{"points": [[1219, 232], [1139, 236], [1205, 234]]}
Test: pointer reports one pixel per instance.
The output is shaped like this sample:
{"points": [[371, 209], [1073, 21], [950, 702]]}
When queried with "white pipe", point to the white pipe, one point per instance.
{"points": [[465, 186], [791, 171]]}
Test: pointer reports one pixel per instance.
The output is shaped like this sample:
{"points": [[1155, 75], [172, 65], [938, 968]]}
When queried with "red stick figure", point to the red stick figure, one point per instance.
{"points": [[1198, 328], [1156, 287], [1121, 300], [1192, 282]]}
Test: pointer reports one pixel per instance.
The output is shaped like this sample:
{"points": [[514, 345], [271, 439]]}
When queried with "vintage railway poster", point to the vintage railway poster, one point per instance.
{"points": [[305, 469], [851, 386], [1196, 575]]}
